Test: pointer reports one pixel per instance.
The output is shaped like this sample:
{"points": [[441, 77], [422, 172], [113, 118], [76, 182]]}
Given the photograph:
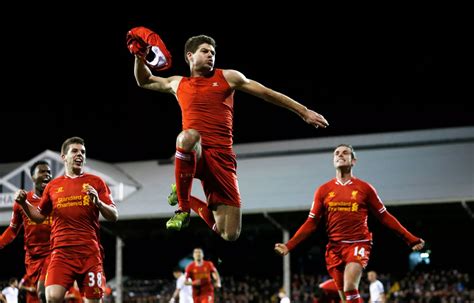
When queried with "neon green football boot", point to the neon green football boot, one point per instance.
{"points": [[179, 221], [173, 196]]}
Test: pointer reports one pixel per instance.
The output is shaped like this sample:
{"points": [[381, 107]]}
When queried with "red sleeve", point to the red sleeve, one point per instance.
{"points": [[303, 232], [378, 209], [8, 236], [45, 205], [104, 193], [391, 222], [16, 222], [310, 225], [212, 268], [376, 205]]}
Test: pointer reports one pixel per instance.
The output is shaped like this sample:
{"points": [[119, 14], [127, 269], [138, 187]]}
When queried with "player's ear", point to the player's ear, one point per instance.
{"points": [[189, 55], [353, 161]]}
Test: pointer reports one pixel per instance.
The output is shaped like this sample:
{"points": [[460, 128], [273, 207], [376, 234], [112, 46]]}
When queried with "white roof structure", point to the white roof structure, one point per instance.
{"points": [[17, 175], [423, 166]]}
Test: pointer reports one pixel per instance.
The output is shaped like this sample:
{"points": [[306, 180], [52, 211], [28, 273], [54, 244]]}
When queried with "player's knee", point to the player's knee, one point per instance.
{"points": [[188, 139], [230, 236], [350, 286], [53, 298]]}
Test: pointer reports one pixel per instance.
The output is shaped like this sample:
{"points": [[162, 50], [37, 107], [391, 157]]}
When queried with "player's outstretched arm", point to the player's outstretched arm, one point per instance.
{"points": [[238, 81]]}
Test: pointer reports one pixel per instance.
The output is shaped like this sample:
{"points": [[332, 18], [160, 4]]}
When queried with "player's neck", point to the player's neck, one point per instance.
{"points": [[73, 173], [199, 262], [201, 72], [344, 174], [38, 193]]}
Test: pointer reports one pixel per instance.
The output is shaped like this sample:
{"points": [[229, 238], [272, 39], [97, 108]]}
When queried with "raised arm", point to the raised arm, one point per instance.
{"points": [[147, 80], [31, 211], [238, 81]]}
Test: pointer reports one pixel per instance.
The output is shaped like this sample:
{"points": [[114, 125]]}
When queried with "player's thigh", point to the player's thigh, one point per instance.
{"points": [[55, 293], [230, 217]]}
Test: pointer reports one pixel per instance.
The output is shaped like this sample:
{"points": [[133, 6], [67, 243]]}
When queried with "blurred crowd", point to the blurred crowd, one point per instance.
{"points": [[435, 286]]}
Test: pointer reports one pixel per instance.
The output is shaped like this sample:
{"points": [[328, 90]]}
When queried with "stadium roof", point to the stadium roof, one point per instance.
{"points": [[411, 167]]}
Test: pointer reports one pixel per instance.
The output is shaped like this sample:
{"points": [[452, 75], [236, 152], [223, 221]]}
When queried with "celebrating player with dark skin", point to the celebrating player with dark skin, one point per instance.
{"points": [[36, 236]]}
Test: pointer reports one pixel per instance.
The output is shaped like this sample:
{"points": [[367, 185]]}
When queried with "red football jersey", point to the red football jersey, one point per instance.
{"points": [[75, 218], [36, 235], [203, 273], [345, 208], [207, 105]]}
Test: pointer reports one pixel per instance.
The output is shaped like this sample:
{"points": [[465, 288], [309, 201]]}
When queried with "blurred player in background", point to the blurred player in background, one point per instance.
{"points": [[203, 276]]}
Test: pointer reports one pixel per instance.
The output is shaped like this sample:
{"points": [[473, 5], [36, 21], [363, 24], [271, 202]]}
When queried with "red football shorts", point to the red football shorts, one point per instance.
{"points": [[34, 267], [217, 170], [44, 270], [204, 298], [88, 272], [329, 288], [339, 254]]}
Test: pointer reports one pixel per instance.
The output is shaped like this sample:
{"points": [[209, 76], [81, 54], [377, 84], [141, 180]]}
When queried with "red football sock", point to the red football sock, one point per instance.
{"points": [[352, 296], [185, 168], [203, 211]]}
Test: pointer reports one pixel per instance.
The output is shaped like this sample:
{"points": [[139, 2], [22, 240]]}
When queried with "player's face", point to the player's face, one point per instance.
{"points": [[75, 157], [204, 57], [42, 176], [343, 157], [198, 254]]}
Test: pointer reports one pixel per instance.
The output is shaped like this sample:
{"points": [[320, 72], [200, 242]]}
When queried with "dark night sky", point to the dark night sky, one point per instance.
{"points": [[365, 74]]}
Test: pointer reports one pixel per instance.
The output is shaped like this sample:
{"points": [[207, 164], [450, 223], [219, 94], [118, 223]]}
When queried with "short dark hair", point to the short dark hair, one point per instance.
{"points": [[72, 140], [193, 43], [353, 153], [33, 167], [177, 269]]}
